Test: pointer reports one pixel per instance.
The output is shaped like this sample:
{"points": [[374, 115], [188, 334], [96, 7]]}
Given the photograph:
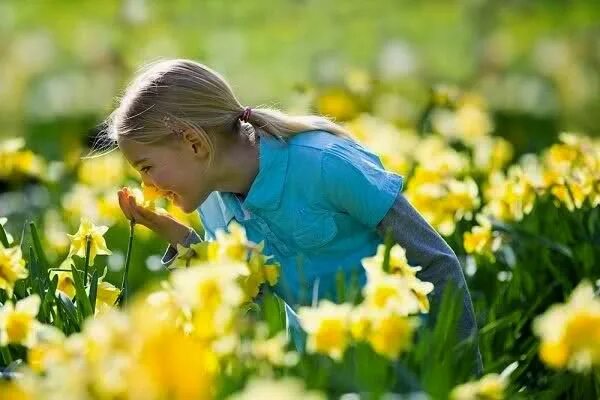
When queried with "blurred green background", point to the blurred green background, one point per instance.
{"points": [[63, 65]]}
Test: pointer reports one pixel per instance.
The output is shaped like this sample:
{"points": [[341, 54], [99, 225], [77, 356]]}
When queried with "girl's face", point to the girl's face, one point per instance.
{"points": [[180, 169]]}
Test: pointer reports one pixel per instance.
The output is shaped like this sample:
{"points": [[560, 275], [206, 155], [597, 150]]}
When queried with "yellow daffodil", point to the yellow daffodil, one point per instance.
{"points": [[511, 197], [472, 123], [489, 387], [391, 333], [391, 292], [441, 198], [272, 349], [260, 271], [17, 323], [421, 289], [491, 153], [12, 268], [328, 328], [336, 103], [570, 332], [16, 161], [380, 288], [97, 243], [398, 264], [171, 364], [151, 194], [65, 278], [482, 240], [233, 249], [360, 321], [15, 390], [212, 293], [47, 349], [232, 245], [106, 296]]}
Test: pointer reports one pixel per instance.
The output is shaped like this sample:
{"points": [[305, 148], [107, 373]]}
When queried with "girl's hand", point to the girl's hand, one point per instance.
{"points": [[162, 224]]}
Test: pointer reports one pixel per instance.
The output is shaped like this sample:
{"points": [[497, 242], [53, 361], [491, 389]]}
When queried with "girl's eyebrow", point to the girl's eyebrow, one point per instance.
{"points": [[141, 160]]}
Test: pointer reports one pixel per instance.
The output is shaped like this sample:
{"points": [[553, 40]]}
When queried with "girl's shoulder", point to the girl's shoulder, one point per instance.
{"points": [[326, 143], [317, 139]]}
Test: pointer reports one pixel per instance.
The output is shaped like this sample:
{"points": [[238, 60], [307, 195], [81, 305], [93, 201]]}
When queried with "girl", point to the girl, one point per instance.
{"points": [[318, 199]]}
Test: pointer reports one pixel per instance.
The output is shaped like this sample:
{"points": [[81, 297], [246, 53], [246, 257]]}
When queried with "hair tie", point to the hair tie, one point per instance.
{"points": [[246, 114]]}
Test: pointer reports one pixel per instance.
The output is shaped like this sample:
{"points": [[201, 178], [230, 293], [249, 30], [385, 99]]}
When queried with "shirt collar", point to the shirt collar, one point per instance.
{"points": [[267, 187]]}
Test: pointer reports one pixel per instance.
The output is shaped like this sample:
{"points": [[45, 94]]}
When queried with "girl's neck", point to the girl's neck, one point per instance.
{"points": [[241, 167]]}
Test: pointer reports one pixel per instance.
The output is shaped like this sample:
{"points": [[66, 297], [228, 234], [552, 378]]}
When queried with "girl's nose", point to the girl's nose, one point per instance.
{"points": [[147, 182]]}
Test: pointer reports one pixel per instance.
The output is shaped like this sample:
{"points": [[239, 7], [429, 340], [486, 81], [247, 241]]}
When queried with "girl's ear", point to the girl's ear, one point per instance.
{"points": [[193, 139]]}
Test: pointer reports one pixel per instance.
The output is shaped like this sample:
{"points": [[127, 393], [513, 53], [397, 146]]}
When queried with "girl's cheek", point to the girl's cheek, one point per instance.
{"points": [[164, 180]]}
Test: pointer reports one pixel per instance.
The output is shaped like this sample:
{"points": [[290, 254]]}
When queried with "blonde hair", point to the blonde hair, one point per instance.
{"points": [[180, 93]]}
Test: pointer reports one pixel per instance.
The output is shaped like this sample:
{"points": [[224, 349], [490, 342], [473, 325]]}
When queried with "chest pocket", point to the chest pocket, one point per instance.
{"points": [[314, 228]]}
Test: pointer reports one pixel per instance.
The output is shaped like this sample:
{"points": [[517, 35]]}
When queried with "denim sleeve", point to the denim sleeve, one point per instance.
{"points": [[355, 181], [426, 248], [171, 251]]}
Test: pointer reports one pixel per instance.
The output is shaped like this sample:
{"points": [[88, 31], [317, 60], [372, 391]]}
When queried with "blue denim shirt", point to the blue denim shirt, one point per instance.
{"points": [[320, 203]]}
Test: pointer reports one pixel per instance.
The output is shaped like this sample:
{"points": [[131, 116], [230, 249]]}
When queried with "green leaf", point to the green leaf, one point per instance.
{"points": [[88, 244], [592, 222], [522, 234], [33, 272], [69, 309], [4, 237], [273, 312], [47, 300], [38, 248], [57, 318], [6, 356], [250, 307], [94, 290], [83, 301]]}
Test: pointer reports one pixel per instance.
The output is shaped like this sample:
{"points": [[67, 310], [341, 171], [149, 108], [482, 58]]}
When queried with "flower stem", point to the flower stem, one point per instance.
{"points": [[88, 244], [125, 285]]}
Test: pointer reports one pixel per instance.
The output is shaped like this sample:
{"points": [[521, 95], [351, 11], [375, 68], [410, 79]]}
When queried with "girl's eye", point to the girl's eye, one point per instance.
{"points": [[145, 169]]}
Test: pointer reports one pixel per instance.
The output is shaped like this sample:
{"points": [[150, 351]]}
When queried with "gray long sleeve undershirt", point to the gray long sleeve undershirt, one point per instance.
{"points": [[426, 248]]}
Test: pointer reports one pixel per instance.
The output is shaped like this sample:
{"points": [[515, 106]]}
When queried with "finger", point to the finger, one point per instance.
{"points": [[146, 215], [133, 208], [141, 214], [127, 205], [123, 205]]}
